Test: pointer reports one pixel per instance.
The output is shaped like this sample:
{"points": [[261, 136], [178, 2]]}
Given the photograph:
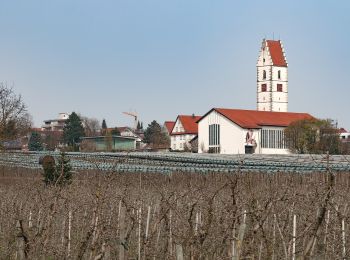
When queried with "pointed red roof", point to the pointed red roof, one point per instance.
{"points": [[189, 124], [257, 119], [276, 53], [169, 125]]}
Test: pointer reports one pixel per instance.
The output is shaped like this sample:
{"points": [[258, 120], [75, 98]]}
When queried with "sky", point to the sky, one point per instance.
{"points": [[163, 58]]}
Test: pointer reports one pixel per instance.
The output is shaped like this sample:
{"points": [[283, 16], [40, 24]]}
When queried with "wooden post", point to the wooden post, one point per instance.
{"points": [[170, 235], [122, 242], [294, 235], [179, 252], [30, 220], [139, 233], [343, 237], [147, 221], [21, 243], [69, 232]]}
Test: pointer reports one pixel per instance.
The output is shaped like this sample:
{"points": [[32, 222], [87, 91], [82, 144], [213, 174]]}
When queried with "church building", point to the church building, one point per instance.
{"points": [[272, 77], [261, 131]]}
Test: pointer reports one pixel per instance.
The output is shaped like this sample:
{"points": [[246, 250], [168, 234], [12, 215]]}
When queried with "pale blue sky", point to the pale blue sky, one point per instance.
{"points": [[164, 58]]}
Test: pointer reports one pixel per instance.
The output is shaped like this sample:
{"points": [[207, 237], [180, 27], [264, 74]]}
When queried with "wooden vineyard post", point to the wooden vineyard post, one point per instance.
{"points": [[170, 235], [122, 242], [146, 230], [179, 252], [343, 237], [21, 241], [30, 220], [238, 244], [325, 242], [69, 233], [294, 235], [139, 233]]}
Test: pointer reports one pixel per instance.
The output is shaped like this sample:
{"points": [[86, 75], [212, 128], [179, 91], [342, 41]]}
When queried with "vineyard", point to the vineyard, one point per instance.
{"points": [[191, 163], [176, 206]]}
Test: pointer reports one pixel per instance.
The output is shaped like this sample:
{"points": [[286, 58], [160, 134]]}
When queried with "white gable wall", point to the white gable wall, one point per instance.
{"points": [[232, 136], [179, 141]]}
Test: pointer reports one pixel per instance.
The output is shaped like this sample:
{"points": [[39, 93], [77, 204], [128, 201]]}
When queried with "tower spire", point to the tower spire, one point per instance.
{"points": [[272, 77]]}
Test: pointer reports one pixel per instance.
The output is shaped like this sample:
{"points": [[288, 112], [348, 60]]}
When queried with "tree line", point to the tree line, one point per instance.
{"points": [[311, 136]]}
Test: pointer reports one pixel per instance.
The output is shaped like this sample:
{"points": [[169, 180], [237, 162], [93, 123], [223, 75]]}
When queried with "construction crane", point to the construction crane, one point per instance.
{"points": [[134, 115]]}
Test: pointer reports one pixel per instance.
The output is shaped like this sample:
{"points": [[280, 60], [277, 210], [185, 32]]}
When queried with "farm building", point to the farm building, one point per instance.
{"points": [[235, 131], [183, 131], [108, 143]]}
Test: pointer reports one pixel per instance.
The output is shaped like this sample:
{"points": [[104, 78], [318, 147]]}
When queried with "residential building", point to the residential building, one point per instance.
{"points": [[235, 131], [183, 131], [55, 124], [272, 77]]}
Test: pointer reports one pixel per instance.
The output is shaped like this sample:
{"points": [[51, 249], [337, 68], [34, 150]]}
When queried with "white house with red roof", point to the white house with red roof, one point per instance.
{"points": [[272, 77], [235, 131], [183, 131]]}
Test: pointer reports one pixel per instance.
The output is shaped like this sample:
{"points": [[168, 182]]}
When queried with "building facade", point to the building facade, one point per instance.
{"points": [[55, 124], [184, 130], [235, 131], [272, 77]]}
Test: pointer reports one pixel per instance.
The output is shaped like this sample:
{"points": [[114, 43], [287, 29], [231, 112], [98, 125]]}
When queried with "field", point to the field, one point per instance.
{"points": [[226, 212]]}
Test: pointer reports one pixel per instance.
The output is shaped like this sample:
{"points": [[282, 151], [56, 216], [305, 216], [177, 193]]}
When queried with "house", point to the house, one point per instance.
{"points": [[55, 124], [344, 135], [184, 130], [236, 131]]}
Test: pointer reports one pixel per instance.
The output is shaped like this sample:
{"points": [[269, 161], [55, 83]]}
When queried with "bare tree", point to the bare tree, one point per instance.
{"points": [[92, 126], [14, 118]]}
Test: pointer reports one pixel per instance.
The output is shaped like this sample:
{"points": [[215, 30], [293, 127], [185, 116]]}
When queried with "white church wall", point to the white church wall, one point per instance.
{"points": [[232, 136]]}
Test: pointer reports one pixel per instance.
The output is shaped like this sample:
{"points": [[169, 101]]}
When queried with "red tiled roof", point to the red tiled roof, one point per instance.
{"points": [[276, 53], [169, 125], [189, 124], [257, 119], [342, 130]]}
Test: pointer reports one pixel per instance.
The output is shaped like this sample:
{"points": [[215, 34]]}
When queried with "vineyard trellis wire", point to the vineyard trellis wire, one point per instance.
{"points": [[167, 163]]}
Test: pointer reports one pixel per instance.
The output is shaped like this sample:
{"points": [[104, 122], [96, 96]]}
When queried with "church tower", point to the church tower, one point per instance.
{"points": [[272, 77]]}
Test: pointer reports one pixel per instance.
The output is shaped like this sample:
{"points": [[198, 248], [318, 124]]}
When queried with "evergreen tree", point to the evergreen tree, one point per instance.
{"points": [[73, 130], [104, 124], [104, 127], [35, 143], [155, 136], [57, 174], [141, 125]]}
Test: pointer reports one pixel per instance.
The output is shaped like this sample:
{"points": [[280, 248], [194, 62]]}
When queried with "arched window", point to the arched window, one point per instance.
{"points": [[279, 74], [264, 74]]}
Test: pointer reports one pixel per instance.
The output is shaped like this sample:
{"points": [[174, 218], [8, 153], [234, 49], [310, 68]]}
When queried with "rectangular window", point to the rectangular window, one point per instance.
{"points": [[214, 138], [263, 88], [272, 139], [279, 87]]}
